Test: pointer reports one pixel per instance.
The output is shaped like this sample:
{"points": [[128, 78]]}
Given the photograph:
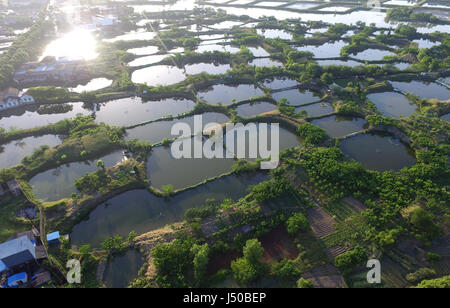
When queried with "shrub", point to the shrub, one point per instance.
{"points": [[297, 223], [303, 283], [285, 269], [431, 256], [311, 133], [351, 259], [420, 274], [438, 283]]}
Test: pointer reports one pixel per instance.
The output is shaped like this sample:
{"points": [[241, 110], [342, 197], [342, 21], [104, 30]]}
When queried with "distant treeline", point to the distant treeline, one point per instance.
{"points": [[25, 48]]}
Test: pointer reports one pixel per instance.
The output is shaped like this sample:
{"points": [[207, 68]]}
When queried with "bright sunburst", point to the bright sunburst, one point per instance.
{"points": [[79, 43]]}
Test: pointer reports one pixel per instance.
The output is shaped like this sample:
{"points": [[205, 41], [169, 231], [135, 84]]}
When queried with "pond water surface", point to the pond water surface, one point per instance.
{"points": [[423, 89], [209, 68], [327, 50], [159, 75], [296, 97], [157, 131], [129, 111], [59, 183], [274, 33], [29, 117], [261, 62], [377, 152], [280, 83], [11, 154], [122, 269], [252, 109], [339, 126], [147, 60], [93, 85], [318, 109], [141, 211], [143, 51], [392, 104], [225, 94], [372, 54]]}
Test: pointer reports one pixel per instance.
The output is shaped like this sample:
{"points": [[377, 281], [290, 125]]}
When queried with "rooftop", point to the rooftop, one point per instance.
{"points": [[17, 251]]}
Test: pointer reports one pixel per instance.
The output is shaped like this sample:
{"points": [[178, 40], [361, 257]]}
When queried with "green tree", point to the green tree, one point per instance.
{"points": [[250, 267], [303, 283], [297, 223], [201, 259], [253, 251], [311, 133], [243, 271], [100, 164]]}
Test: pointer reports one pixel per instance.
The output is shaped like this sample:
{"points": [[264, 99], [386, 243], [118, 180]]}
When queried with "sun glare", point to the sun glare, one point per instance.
{"points": [[79, 43]]}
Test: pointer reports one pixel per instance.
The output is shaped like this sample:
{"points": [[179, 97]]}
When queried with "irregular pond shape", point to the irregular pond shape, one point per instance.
{"points": [[378, 152], [209, 68], [274, 33], [287, 139], [226, 93], [141, 211], [59, 183], [252, 109], [372, 54], [93, 85], [423, 89], [259, 51], [122, 269], [280, 83], [129, 111], [335, 9], [28, 117], [339, 126], [351, 63], [147, 60], [296, 97], [318, 109], [423, 43], [159, 75], [392, 104], [157, 131], [143, 51], [302, 6], [265, 62], [327, 50], [163, 169], [11, 154]]}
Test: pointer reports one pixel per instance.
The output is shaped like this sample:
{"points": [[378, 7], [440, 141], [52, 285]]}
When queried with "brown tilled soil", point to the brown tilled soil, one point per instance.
{"points": [[278, 245], [222, 260], [444, 265], [326, 276], [356, 204], [335, 251], [321, 222]]}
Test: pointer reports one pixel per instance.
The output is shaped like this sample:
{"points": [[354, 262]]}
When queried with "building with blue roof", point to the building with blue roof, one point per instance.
{"points": [[17, 280], [17, 251], [3, 266], [53, 238]]}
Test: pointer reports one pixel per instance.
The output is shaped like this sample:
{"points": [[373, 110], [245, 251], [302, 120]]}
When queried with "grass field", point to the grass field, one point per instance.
{"points": [[9, 205]]}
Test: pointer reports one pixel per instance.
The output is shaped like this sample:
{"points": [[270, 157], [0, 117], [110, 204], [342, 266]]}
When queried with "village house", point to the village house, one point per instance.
{"points": [[51, 69], [11, 98], [20, 258]]}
